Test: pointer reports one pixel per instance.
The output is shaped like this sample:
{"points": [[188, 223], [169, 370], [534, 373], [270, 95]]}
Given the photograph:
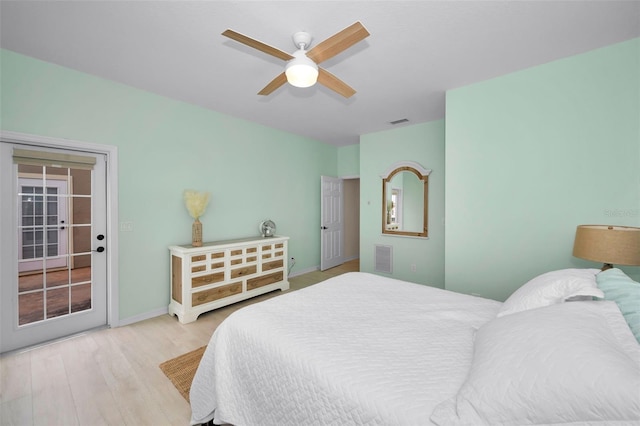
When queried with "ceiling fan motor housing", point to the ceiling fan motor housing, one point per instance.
{"points": [[303, 38]]}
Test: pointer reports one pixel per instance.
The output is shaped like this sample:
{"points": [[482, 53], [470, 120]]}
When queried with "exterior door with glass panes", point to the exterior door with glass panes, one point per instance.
{"points": [[54, 214]]}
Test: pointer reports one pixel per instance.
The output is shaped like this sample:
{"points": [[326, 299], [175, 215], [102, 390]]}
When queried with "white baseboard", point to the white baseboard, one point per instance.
{"points": [[144, 316], [316, 268], [304, 271]]}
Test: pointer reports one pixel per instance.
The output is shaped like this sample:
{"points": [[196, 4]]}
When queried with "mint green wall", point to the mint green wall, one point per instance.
{"points": [[424, 144], [166, 147], [349, 161], [533, 154]]}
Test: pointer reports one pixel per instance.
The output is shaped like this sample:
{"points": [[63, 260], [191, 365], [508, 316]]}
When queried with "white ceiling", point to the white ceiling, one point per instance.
{"points": [[417, 50]]}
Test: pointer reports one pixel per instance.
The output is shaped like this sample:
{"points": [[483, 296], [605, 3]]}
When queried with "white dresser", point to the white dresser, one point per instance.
{"points": [[223, 272]]}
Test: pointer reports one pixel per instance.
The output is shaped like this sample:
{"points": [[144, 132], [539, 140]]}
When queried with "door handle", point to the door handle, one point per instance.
{"points": [[62, 227], [323, 227], [99, 249]]}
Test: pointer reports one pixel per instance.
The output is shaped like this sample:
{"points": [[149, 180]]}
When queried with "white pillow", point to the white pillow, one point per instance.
{"points": [[574, 363], [551, 288]]}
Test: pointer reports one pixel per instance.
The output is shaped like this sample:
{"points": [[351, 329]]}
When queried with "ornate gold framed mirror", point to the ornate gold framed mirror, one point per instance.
{"points": [[405, 190]]}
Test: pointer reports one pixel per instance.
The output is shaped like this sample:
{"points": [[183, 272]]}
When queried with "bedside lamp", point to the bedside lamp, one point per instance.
{"points": [[609, 244]]}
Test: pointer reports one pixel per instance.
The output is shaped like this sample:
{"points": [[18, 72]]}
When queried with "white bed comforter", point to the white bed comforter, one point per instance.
{"points": [[356, 349]]}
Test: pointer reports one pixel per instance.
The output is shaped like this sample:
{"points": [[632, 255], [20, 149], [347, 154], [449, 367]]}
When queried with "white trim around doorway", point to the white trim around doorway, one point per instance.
{"points": [[111, 152]]}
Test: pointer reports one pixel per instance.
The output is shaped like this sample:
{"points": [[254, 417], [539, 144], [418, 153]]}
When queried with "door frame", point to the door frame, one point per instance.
{"points": [[111, 153]]}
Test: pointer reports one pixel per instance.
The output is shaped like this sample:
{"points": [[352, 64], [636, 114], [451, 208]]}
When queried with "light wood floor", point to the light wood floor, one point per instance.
{"points": [[111, 376]]}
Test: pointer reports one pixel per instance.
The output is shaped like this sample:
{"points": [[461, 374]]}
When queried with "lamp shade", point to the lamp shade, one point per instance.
{"points": [[301, 71], [618, 245]]}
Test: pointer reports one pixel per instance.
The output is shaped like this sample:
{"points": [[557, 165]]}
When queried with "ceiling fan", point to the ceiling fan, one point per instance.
{"points": [[302, 68]]}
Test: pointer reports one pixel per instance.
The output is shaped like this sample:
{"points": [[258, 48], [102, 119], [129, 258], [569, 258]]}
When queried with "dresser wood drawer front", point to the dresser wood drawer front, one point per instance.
{"points": [[216, 293], [207, 279], [198, 257], [198, 268], [272, 265], [242, 272], [264, 280], [217, 265]]}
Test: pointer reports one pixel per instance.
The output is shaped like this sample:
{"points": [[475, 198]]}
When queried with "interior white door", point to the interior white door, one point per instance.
{"points": [[51, 288], [332, 226]]}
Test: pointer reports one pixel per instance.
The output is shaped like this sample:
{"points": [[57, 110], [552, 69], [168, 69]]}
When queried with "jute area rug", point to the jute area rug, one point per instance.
{"points": [[180, 370]]}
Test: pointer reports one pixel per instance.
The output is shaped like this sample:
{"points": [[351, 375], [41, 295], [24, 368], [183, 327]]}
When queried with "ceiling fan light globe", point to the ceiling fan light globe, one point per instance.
{"points": [[302, 75], [301, 71]]}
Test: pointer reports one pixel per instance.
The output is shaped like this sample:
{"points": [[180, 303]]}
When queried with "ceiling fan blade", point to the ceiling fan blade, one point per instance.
{"points": [[338, 42], [334, 83], [273, 85], [251, 42]]}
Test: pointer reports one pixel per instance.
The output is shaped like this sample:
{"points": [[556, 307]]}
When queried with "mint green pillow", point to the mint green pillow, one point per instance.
{"points": [[617, 286]]}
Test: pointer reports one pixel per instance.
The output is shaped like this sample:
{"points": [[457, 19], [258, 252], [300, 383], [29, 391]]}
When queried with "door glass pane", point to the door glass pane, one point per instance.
{"points": [[80, 297], [57, 302], [30, 307], [82, 210], [81, 273], [29, 282]]}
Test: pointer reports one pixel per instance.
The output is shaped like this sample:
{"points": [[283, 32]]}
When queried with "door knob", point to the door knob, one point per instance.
{"points": [[99, 249], [100, 237], [323, 227]]}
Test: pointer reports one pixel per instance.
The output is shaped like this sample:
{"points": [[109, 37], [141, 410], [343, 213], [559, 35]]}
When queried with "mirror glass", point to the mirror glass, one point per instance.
{"points": [[404, 200]]}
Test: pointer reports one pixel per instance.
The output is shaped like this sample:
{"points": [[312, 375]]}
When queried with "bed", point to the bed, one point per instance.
{"points": [[362, 349]]}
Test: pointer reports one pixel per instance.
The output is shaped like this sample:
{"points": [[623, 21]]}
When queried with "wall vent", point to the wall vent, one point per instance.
{"points": [[402, 120], [383, 258]]}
